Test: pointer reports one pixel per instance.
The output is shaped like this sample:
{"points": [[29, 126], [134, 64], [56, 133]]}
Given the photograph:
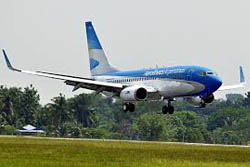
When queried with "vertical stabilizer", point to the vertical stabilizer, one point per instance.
{"points": [[242, 77], [98, 61]]}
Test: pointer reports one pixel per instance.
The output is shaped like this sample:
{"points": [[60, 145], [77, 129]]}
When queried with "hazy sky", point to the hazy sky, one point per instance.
{"points": [[49, 35]]}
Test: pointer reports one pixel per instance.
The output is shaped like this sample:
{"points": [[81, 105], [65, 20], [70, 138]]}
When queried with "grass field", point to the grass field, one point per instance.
{"points": [[28, 152]]}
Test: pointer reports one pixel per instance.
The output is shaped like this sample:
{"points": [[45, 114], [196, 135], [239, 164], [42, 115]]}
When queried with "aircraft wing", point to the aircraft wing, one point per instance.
{"points": [[242, 83], [77, 82]]}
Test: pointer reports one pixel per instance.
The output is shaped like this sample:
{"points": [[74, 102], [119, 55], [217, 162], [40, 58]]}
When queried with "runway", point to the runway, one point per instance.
{"points": [[127, 141]]}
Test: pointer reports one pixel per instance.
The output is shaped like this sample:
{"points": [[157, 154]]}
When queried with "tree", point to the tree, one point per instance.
{"points": [[30, 103], [19, 106], [227, 117], [230, 125], [59, 114], [84, 110], [190, 127], [235, 98], [7, 111], [151, 126]]}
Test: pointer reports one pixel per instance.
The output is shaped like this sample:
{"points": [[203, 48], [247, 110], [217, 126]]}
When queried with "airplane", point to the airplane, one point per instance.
{"points": [[195, 84]]}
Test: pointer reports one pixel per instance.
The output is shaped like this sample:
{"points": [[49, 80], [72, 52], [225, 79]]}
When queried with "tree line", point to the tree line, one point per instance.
{"points": [[93, 116]]}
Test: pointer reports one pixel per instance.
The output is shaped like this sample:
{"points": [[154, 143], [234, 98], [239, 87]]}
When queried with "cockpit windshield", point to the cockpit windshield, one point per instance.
{"points": [[208, 73], [211, 73]]}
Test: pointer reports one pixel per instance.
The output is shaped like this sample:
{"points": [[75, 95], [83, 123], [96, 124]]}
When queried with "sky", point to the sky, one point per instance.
{"points": [[49, 35]]}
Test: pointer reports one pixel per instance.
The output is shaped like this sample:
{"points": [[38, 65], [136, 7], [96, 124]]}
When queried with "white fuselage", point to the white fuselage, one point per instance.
{"points": [[166, 87]]}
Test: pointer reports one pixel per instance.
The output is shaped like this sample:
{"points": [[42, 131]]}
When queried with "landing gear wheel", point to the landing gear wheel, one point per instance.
{"points": [[164, 110], [128, 107], [131, 107], [168, 109], [202, 105]]}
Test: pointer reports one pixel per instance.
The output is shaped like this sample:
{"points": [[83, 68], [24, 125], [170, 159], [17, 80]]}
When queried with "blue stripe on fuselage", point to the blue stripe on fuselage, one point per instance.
{"points": [[185, 73], [168, 72]]}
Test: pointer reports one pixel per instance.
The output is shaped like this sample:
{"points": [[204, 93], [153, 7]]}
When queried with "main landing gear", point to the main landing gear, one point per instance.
{"points": [[128, 107], [168, 108]]}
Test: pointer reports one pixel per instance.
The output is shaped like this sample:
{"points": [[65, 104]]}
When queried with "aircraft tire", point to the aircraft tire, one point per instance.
{"points": [[202, 105], [131, 107], [170, 110], [164, 110], [128, 107]]}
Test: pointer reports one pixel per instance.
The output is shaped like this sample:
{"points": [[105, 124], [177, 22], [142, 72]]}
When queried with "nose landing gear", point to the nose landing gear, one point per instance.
{"points": [[168, 109]]}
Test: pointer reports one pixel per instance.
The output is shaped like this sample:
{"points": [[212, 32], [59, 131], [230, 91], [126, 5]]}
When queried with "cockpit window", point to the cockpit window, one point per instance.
{"points": [[211, 73], [203, 74], [208, 73]]}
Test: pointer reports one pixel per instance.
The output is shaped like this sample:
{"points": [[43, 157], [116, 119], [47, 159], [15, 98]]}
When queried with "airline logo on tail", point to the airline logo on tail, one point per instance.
{"points": [[93, 63], [98, 61]]}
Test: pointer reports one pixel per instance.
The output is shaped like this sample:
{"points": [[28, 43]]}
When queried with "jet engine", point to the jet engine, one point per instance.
{"points": [[195, 101], [200, 101], [134, 93]]}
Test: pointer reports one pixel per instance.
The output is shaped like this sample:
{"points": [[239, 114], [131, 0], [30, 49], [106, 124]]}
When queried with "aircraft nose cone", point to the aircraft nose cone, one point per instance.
{"points": [[214, 82], [217, 82]]}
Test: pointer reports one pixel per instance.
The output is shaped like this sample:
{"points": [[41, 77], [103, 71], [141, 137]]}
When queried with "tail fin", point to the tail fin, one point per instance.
{"points": [[98, 61]]}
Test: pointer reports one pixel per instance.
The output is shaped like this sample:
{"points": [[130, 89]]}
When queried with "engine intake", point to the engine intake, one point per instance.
{"points": [[134, 93], [141, 93]]}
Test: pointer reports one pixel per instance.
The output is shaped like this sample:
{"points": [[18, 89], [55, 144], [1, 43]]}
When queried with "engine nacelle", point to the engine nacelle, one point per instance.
{"points": [[200, 101], [195, 101], [134, 93]]}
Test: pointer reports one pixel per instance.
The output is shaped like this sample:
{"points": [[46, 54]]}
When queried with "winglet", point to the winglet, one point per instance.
{"points": [[8, 62], [242, 77]]}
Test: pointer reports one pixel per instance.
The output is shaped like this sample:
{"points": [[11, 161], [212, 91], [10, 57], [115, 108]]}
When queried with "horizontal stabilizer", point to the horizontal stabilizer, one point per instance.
{"points": [[242, 83]]}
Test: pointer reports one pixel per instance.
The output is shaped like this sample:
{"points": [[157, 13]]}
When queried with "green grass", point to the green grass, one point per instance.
{"points": [[23, 152]]}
